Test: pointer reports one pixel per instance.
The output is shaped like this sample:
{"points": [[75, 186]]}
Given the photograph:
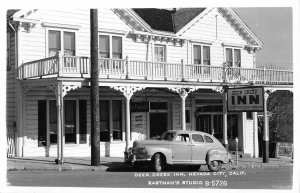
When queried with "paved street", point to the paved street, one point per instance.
{"points": [[257, 178]]}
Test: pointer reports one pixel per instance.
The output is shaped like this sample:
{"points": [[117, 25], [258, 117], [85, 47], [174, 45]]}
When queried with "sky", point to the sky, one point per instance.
{"points": [[274, 27]]}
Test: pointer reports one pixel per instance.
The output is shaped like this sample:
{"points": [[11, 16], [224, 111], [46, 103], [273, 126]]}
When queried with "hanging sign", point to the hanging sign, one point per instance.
{"points": [[245, 99]]}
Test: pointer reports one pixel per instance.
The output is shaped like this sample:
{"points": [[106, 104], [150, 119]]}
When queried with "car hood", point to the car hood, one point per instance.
{"points": [[151, 142]]}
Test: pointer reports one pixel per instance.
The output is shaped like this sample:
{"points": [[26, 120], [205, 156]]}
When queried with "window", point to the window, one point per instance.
{"points": [[188, 116], [110, 46], [249, 115], [104, 46], [104, 120], [47, 114], [42, 123], [82, 121], [70, 121], [197, 138], [159, 53], [117, 47], [233, 57], [197, 54], [208, 139], [201, 57], [55, 44], [218, 126], [69, 43], [182, 138], [232, 126], [117, 119]]}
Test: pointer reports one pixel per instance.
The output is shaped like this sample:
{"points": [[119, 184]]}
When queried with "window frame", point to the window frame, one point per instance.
{"points": [[61, 30], [233, 49], [164, 46], [201, 53], [110, 37]]}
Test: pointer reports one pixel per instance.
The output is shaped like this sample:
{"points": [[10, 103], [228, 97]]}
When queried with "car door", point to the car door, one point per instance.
{"points": [[181, 148], [199, 148]]}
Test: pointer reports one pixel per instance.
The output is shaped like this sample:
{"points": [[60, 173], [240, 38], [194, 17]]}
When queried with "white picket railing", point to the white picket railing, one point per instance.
{"points": [[74, 66], [10, 149]]}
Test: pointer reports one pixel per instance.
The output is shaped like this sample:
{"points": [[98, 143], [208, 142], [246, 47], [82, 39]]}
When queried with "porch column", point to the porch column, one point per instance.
{"points": [[128, 91], [225, 136], [183, 94], [266, 131], [59, 105], [19, 121], [127, 122]]}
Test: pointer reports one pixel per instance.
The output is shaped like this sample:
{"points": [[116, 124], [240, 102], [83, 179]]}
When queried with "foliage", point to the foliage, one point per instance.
{"points": [[280, 104]]}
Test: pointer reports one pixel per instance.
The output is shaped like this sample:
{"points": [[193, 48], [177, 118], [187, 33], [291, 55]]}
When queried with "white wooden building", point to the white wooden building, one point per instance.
{"points": [[158, 70]]}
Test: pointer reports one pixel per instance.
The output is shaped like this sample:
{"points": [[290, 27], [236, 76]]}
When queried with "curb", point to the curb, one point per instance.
{"points": [[105, 168], [234, 167]]}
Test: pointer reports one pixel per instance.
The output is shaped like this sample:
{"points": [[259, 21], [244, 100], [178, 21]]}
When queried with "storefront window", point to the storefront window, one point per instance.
{"points": [[104, 120], [117, 120]]}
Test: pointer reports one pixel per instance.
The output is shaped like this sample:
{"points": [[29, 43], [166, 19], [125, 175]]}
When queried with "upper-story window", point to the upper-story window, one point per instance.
{"points": [[110, 46], [201, 54], [159, 53], [56, 43], [233, 57]]}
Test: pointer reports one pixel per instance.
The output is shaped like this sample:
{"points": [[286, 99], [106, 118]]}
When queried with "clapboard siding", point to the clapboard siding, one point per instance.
{"points": [[11, 84], [205, 29]]}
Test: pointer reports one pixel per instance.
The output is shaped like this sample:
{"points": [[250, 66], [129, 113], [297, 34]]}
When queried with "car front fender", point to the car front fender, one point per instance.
{"points": [[167, 152], [216, 154]]}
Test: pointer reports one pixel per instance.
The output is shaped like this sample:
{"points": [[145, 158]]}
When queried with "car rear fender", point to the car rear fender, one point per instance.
{"points": [[217, 154], [167, 152]]}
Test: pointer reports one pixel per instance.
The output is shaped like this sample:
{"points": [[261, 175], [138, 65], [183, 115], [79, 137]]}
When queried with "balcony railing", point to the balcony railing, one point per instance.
{"points": [[75, 66]]}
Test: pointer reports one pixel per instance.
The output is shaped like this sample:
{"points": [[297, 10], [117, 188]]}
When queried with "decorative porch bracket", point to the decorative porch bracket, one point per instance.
{"points": [[127, 91]]}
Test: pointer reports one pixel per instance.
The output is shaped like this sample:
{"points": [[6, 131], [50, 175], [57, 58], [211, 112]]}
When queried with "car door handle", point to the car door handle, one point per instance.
{"points": [[191, 145]]}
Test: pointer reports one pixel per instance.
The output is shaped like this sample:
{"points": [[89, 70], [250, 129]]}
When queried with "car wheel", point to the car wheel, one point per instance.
{"points": [[158, 162], [214, 166]]}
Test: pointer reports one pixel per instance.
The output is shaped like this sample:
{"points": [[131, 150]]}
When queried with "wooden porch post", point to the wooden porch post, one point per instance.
{"points": [[127, 122], [59, 105], [183, 94], [266, 131], [225, 137]]}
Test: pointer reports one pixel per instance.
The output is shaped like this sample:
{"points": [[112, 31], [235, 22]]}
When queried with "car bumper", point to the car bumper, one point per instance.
{"points": [[130, 158]]}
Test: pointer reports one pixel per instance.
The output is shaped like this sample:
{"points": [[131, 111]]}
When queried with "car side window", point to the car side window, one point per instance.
{"points": [[208, 139], [197, 138], [182, 137]]}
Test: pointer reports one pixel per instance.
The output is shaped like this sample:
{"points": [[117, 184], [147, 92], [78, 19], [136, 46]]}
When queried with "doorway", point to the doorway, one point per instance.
{"points": [[203, 123], [158, 124]]}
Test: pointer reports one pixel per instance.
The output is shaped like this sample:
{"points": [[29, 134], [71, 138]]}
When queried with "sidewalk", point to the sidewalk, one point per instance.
{"points": [[116, 164]]}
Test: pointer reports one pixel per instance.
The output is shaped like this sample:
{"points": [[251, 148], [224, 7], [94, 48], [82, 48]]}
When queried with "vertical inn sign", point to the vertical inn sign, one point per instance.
{"points": [[245, 99]]}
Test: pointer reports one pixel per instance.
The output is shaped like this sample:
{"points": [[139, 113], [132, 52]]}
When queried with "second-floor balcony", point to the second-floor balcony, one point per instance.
{"points": [[75, 66]]}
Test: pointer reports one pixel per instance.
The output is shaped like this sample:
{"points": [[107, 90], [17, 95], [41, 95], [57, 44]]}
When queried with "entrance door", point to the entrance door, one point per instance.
{"points": [[158, 123], [204, 123]]}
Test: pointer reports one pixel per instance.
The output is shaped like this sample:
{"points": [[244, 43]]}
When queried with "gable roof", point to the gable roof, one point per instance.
{"points": [[168, 20], [178, 21]]}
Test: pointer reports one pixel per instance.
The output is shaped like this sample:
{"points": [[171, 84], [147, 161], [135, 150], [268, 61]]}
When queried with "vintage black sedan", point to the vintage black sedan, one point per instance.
{"points": [[179, 147]]}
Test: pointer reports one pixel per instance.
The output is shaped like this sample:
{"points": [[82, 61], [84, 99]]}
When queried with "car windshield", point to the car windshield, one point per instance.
{"points": [[169, 136]]}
